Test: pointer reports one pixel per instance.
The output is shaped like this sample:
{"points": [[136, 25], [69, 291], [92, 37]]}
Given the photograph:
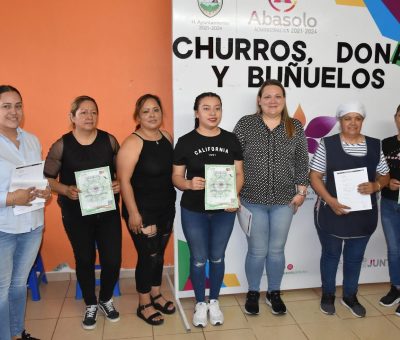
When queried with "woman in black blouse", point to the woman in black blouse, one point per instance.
{"points": [[86, 147], [276, 177], [145, 169], [390, 214]]}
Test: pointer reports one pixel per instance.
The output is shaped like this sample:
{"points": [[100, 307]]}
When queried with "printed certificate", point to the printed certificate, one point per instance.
{"points": [[220, 188], [96, 194], [346, 182]]}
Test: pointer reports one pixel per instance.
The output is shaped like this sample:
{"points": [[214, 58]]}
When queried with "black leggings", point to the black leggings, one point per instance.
{"points": [[84, 232], [151, 249]]}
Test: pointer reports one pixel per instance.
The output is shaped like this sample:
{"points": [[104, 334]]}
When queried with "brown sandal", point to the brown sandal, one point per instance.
{"points": [[164, 309], [151, 318]]}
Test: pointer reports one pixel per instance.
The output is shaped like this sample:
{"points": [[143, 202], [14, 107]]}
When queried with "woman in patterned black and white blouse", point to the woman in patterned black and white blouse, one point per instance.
{"points": [[275, 185]]}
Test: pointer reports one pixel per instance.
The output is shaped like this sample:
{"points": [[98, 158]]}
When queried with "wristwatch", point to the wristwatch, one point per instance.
{"points": [[302, 192]]}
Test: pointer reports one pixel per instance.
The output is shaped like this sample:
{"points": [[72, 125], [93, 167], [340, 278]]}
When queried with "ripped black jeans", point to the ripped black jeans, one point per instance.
{"points": [[150, 246]]}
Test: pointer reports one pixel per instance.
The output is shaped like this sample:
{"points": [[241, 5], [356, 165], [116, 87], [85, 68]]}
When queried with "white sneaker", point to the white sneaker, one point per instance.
{"points": [[216, 316], [200, 314]]}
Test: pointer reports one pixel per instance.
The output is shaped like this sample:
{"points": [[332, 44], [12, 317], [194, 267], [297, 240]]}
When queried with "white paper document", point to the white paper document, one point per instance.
{"points": [[346, 182], [24, 177], [245, 217]]}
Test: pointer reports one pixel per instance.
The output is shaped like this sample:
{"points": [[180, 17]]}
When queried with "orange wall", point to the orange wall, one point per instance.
{"points": [[112, 50]]}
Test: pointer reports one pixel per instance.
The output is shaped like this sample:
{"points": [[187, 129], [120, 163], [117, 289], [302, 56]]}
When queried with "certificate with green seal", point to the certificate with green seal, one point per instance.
{"points": [[220, 188], [96, 194]]}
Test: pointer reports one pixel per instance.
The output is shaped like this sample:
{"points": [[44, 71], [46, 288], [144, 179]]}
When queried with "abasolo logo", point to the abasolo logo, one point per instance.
{"points": [[283, 5], [290, 270]]}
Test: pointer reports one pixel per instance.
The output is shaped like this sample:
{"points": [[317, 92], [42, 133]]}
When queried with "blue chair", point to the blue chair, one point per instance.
{"points": [[78, 290], [36, 276]]}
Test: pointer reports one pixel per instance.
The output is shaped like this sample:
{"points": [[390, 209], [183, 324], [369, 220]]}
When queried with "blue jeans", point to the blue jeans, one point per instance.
{"points": [[207, 236], [17, 255], [266, 244], [390, 214], [353, 255]]}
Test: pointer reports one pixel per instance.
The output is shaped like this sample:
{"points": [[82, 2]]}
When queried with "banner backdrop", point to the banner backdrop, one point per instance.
{"points": [[325, 53]]}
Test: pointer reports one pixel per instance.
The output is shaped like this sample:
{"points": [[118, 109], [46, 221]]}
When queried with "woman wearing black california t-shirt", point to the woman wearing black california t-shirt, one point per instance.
{"points": [[207, 231]]}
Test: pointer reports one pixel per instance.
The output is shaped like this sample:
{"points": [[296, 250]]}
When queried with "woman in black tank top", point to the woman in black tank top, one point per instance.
{"points": [[144, 170]]}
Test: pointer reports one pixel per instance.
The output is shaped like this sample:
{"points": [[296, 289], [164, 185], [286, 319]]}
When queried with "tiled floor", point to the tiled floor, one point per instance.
{"points": [[58, 315]]}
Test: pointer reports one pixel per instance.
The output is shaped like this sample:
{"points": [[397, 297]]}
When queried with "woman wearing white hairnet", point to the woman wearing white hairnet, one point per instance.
{"points": [[341, 230]]}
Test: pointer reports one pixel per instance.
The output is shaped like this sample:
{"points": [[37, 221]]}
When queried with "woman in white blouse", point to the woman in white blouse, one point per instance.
{"points": [[20, 235]]}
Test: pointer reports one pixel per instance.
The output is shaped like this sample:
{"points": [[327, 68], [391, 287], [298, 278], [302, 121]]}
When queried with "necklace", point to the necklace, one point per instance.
{"points": [[151, 137], [84, 138]]}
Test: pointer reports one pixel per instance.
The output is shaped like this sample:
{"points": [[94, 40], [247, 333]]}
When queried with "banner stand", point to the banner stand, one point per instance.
{"points": [[178, 304], [313, 47]]}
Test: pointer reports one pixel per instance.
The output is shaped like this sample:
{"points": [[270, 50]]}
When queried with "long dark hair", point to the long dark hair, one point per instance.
{"points": [[140, 102], [9, 88], [289, 126], [197, 103]]}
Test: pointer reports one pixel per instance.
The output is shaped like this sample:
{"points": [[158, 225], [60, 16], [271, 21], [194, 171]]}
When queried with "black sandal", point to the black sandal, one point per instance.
{"points": [[150, 320], [164, 309]]}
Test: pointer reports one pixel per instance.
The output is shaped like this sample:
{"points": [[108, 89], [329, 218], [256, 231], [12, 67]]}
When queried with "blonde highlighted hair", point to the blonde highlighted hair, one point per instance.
{"points": [[288, 122]]}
